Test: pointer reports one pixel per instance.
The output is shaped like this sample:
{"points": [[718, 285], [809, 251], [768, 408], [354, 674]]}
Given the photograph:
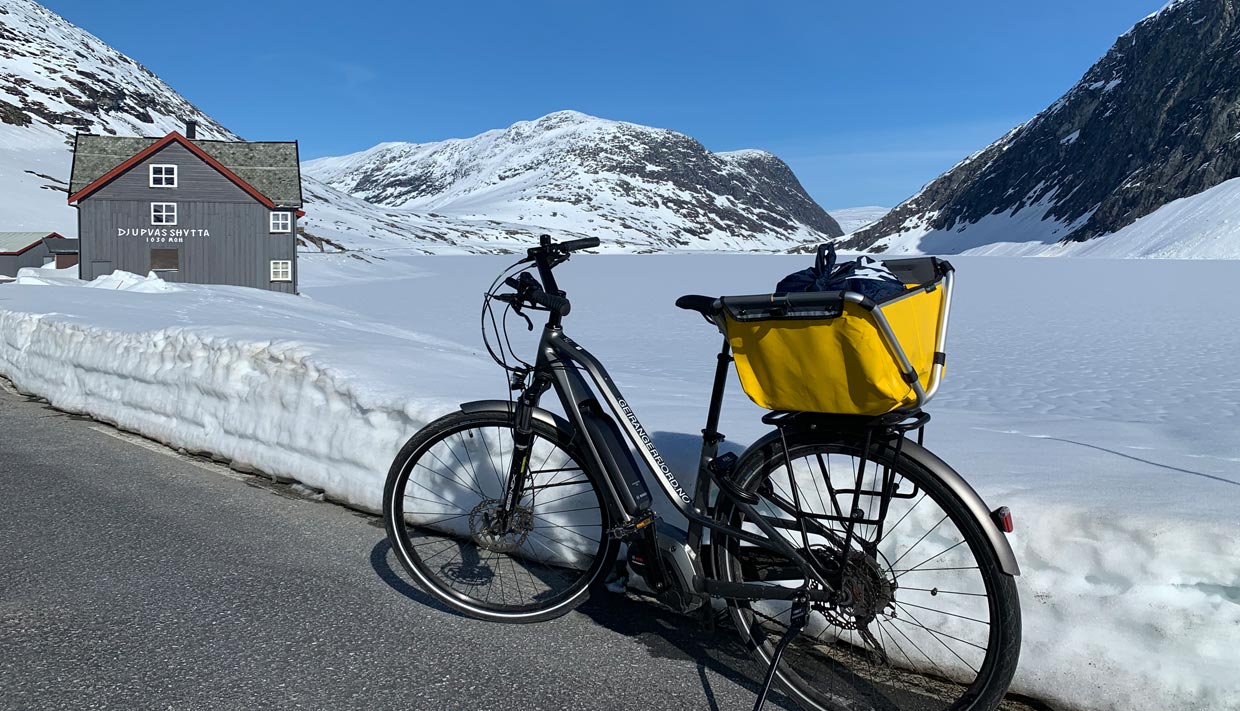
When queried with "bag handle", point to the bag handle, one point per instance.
{"points": [[824, 263]]}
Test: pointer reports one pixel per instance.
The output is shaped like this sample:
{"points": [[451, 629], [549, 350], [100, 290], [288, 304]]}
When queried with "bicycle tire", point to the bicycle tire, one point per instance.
{"points": [[830, 670], [555, 549]]}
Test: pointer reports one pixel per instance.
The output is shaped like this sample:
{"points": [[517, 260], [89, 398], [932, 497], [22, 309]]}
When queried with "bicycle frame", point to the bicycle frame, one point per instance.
{"points": [[558, 365]]}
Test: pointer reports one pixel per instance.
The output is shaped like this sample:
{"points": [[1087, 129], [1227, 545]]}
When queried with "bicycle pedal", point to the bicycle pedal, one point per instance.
{"points": [[627, 530]]}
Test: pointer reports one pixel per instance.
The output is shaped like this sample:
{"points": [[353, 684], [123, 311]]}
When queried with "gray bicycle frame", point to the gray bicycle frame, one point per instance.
{"points": [[561, 358], [559, 354]]}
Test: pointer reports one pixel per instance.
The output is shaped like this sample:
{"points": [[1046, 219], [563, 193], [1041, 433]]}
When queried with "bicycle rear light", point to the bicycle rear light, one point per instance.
{"points": [[1002, 517]]}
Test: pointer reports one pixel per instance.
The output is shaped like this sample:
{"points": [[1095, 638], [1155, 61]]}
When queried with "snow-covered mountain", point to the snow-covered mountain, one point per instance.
{"points": [[637, 188], [1107, 168], [633, 186], [56, 80]]}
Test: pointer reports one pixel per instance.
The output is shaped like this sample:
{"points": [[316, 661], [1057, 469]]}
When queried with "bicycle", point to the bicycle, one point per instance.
{"points": [[826, 537]]}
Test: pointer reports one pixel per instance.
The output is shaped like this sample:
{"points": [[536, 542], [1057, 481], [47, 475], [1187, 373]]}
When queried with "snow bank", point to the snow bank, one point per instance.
{"points": [[255, 380], [1104, 413], [116, 281]]}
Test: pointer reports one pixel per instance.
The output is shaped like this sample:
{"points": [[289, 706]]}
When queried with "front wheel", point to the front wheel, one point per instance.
{"points": [[925, 618], [442, 507]]}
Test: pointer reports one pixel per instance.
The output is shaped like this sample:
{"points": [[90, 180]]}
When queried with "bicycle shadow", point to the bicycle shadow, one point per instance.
{"points": [[667, 634], [379, 563], [664, 633]]}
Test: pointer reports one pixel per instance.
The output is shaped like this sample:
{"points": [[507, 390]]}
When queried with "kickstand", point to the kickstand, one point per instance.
{"points": [[799, 616]]}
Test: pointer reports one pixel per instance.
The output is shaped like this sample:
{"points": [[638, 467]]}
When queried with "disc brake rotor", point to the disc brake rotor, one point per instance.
{"points": [[487, 530]]}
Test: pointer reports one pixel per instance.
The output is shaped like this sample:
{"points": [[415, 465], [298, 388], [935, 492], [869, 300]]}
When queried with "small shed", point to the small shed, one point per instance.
{"points": [[63, 249], [24, 249]]}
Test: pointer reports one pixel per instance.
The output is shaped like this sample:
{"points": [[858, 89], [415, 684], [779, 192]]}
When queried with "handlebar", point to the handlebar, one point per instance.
{"points": [[547, 255], [554, 251], [576, 245], [528, 289]]}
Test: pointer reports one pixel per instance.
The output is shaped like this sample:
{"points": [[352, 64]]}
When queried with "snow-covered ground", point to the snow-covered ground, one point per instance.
{"points": [[1099, 399], [1201, 226]]}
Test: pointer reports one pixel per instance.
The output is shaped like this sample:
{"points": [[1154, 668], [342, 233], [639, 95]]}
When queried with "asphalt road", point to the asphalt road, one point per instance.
{"points": [[135, 578]]}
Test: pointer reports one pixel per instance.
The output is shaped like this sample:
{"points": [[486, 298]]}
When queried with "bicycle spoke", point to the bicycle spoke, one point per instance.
{"points": [[930, 659], [437, 496], [936, 591], [559, 543], [944, 612], [567, 496], [452, 479], [429, 513], [458, 461], [919, 540], [939, 636], [936, 555], [897, 524], [566, 528], [491, 460], [555, 511]]}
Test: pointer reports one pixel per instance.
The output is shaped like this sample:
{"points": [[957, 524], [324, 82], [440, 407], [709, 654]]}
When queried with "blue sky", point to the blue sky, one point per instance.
{"points": [[866, 101]]}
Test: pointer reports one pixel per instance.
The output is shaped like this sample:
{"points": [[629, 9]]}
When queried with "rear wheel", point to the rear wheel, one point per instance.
{"points": [[442, 504], [926, 619]]}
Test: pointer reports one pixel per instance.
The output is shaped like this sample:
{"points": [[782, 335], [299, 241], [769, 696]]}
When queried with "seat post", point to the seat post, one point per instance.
{"points": [[716, 395], [710, 444]]}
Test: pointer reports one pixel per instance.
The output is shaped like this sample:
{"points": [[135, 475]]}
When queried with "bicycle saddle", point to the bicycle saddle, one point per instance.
{"points": [[704, 305]]}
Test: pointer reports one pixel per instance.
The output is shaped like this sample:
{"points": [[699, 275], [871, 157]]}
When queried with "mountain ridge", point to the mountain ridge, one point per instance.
{"points": [[57, 79], [1156, 119], [567, 170]]}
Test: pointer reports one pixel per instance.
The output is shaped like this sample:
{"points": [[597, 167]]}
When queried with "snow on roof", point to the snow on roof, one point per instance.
{"points": [[271, 167], [13, 242]]}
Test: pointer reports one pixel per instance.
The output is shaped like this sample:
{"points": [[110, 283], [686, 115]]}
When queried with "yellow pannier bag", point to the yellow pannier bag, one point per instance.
{"points": [[829, 351]]}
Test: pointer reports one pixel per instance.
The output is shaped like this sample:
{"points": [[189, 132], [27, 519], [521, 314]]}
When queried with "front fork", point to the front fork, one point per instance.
{"points": [[522, 443]]}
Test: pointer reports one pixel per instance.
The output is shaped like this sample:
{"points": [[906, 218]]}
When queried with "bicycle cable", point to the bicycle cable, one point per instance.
{"points": [[499, 327]]}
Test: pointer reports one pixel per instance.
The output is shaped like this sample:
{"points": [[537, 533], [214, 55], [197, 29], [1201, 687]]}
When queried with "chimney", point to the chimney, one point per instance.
{"points": [[191, 130]]}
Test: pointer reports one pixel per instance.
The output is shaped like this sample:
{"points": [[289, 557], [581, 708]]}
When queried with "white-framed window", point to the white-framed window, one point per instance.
{"points": [[163, 176], [163, 213], [281, 270], [281, 222]]}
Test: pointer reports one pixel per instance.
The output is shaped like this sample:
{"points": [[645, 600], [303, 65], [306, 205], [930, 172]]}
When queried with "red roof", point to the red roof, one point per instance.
{"points": [[154, 148]]}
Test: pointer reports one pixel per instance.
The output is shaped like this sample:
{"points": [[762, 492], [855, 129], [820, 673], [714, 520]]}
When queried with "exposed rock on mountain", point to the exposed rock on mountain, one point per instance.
{"points": [[637, 188], [1156, 119], [631, 185], [56, 75]]}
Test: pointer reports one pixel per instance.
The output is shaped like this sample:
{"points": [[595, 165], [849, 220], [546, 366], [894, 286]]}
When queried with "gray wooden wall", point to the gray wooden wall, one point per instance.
{"points": [[10, 263], [238, 251]]}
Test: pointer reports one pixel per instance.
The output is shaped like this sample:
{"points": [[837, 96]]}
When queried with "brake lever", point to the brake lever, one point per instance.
{"points": [[529, 325], [517, 305]]}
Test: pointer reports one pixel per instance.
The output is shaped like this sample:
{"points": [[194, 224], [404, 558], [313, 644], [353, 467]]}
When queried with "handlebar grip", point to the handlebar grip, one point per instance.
{"points": [[529, 288], [579, 244], [554, 302]]}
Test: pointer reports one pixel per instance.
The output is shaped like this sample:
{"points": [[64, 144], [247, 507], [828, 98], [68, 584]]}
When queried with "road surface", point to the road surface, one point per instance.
{"points": [[132, 577]]}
